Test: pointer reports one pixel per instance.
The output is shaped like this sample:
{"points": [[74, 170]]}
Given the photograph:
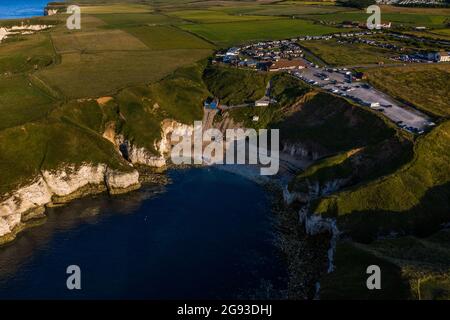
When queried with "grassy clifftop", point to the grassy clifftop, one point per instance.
{"points": [[235, 86], [413, 199], [411, 268]]}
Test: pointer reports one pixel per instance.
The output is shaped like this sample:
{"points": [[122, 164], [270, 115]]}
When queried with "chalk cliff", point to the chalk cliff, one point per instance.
{"points": [[70, 181]]}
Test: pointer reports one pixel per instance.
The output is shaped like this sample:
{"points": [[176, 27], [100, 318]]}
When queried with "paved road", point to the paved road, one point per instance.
{"points": [[337, 83]]}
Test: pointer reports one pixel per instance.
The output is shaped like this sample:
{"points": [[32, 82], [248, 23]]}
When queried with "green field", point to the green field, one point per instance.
{"points": [[225, 34], [115, 8], [102, 73], [121, 20], [425, 86], [285, 9], [339, 54], [408, 19], [21, 102], [214, 16], [26, 53], [110, 40], [168, 38]]}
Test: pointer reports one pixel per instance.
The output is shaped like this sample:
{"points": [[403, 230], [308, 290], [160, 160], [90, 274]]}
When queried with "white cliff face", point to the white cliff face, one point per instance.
{"points": [[70, 179], [61, 183], [117, 181], [316, 224], [8, 223], [21, 201], [22, 29], [33, 195], [140, 155], [172, 128]]}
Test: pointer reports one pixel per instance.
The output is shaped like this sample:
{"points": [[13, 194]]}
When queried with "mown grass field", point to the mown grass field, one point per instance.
{"points": [[121, 20], [339, 54], [108, 40], [225, 34], [102, 73], [116, 8], [99, 61], [26, 54], [168, 38], [214, 16], [285, 8], [425, 86], [21, 102], [411, 19]]}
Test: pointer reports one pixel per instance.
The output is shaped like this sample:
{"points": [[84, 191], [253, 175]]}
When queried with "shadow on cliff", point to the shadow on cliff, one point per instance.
{"points": [[427, 217]]}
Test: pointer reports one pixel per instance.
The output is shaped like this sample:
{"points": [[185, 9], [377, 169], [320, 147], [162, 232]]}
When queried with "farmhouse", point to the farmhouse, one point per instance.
{"points": [[284, 64]]}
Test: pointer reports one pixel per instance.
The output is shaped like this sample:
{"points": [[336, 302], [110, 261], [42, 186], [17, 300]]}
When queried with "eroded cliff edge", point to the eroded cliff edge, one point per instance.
{"points": [[71, 181]]}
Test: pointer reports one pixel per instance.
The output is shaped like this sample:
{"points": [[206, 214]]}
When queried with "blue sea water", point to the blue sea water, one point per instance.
{"points": [[12, 9], [208, 234]]}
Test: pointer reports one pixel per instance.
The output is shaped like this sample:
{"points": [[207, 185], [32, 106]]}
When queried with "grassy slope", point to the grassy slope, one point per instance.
{"points": [[21, 102], [348, 281], [286, 90], [235, 86], [425, 86], [334, 124], [411, 268], [143, 108], [362, 164], [413, 199], [397, 18], [26, 53]]}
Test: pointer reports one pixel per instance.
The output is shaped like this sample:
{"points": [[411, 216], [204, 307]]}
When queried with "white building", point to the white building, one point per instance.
{"points": [[443, 57]]}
